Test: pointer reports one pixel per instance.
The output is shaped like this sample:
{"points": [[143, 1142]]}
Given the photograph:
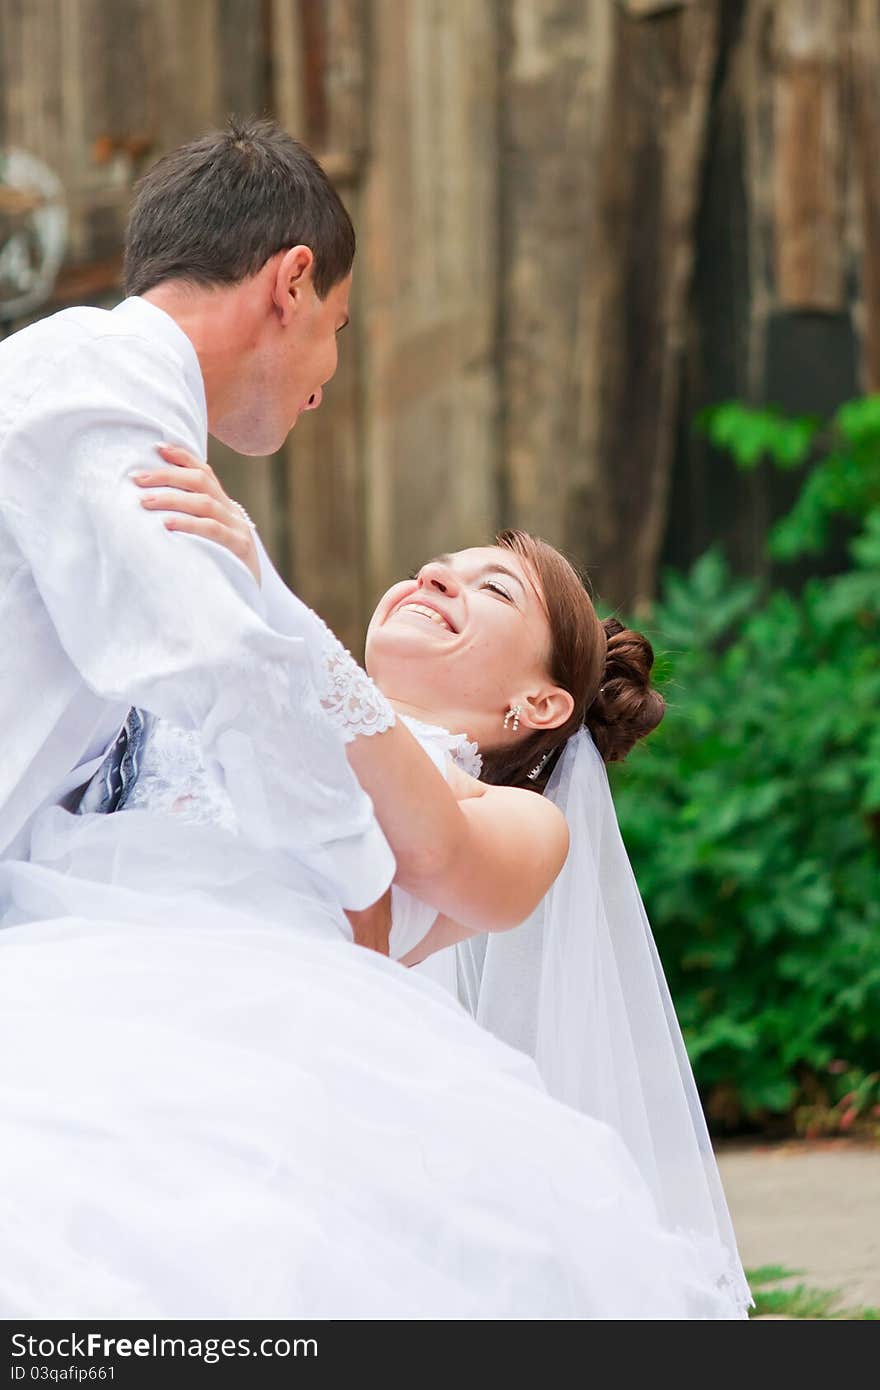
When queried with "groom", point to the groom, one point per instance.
{"points": [[238, 267]]}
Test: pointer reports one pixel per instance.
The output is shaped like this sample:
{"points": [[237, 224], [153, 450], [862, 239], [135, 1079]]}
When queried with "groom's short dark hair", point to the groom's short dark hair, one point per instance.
{"points": [[213, 211]]}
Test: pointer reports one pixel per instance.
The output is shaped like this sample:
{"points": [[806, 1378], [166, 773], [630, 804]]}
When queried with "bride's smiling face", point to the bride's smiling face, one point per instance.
{"points": [[463, 640]]}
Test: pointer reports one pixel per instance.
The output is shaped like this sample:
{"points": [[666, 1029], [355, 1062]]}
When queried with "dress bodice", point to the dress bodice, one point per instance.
{"points": [[441, 745]]}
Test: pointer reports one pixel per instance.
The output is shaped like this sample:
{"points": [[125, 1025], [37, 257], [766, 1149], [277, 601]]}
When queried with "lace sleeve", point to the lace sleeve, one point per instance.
{"points": [[353, 703]]}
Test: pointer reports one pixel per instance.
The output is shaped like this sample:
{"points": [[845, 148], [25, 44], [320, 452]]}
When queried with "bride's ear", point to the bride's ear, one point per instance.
{"points": [[547, 709]]}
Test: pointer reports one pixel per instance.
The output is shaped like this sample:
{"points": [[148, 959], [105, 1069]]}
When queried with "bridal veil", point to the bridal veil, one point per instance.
{"points": [[580, 987]]}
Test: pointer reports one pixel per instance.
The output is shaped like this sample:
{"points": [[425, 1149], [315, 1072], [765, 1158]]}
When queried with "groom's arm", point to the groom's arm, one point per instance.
{"points": [[173, 623]]}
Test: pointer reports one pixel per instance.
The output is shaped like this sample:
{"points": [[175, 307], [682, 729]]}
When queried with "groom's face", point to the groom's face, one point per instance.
{"points": [[311, 353], [288, 362]]}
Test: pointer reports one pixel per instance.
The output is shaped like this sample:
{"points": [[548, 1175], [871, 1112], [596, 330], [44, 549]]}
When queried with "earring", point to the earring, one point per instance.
{"points": [[513, 713]]}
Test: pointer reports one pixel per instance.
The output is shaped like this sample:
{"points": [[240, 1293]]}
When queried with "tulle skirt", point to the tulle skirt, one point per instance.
{"points": [[206, 1112]]}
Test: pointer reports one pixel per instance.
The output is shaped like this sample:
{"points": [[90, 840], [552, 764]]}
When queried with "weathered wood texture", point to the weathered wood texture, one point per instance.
{"points": [[605, 117], [578, 221], [318, 89], [428, 285], [787, 246]]}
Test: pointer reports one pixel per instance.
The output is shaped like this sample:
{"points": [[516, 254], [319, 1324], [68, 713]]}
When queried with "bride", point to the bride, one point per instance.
{"points": [[579, 986], [213, 1107]]}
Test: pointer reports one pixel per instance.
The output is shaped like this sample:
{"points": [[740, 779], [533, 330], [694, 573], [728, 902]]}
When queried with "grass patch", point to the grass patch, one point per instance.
{"points": [[799, 1300]]}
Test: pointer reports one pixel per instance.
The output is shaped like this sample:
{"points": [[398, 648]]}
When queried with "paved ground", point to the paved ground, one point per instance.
{"points": [[813, 1207]]}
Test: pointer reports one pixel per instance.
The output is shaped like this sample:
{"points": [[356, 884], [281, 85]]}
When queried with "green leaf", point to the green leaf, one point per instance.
{"points": [[752, 815]]}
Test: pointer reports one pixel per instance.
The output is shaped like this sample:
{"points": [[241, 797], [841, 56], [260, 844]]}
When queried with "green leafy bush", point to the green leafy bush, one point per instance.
{"points": [[753, 814]]}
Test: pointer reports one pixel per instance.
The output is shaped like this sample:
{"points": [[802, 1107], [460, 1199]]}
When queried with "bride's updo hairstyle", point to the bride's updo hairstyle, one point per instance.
{"points": [[602, 664]]}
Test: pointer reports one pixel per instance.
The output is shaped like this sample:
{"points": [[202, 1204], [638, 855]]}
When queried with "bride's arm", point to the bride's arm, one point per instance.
{"points": [[482, 856], [485, 862], [446, 931]]}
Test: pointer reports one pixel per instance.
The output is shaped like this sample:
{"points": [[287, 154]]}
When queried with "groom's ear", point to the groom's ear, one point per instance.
{"points": [[293, 277]]}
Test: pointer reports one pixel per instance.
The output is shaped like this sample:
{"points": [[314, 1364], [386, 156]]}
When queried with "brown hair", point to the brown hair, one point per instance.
{"points": [[605, 667], [215, 210]]}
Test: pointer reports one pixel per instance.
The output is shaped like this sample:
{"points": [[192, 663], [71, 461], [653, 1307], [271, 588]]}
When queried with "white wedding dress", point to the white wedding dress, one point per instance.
{"points": [[213, 1105]]}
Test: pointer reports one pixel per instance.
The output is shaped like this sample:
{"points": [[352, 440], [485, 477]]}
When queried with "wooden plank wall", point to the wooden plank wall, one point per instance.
{"points": [[578, 220], [399, 464], [605, 111], [783, 302]]}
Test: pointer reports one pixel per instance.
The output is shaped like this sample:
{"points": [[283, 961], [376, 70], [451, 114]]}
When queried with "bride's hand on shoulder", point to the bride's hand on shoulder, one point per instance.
{"points": [[191, 490]]}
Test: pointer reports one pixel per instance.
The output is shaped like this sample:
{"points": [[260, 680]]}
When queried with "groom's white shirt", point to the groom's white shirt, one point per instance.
{"points": [[102, 608]]}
